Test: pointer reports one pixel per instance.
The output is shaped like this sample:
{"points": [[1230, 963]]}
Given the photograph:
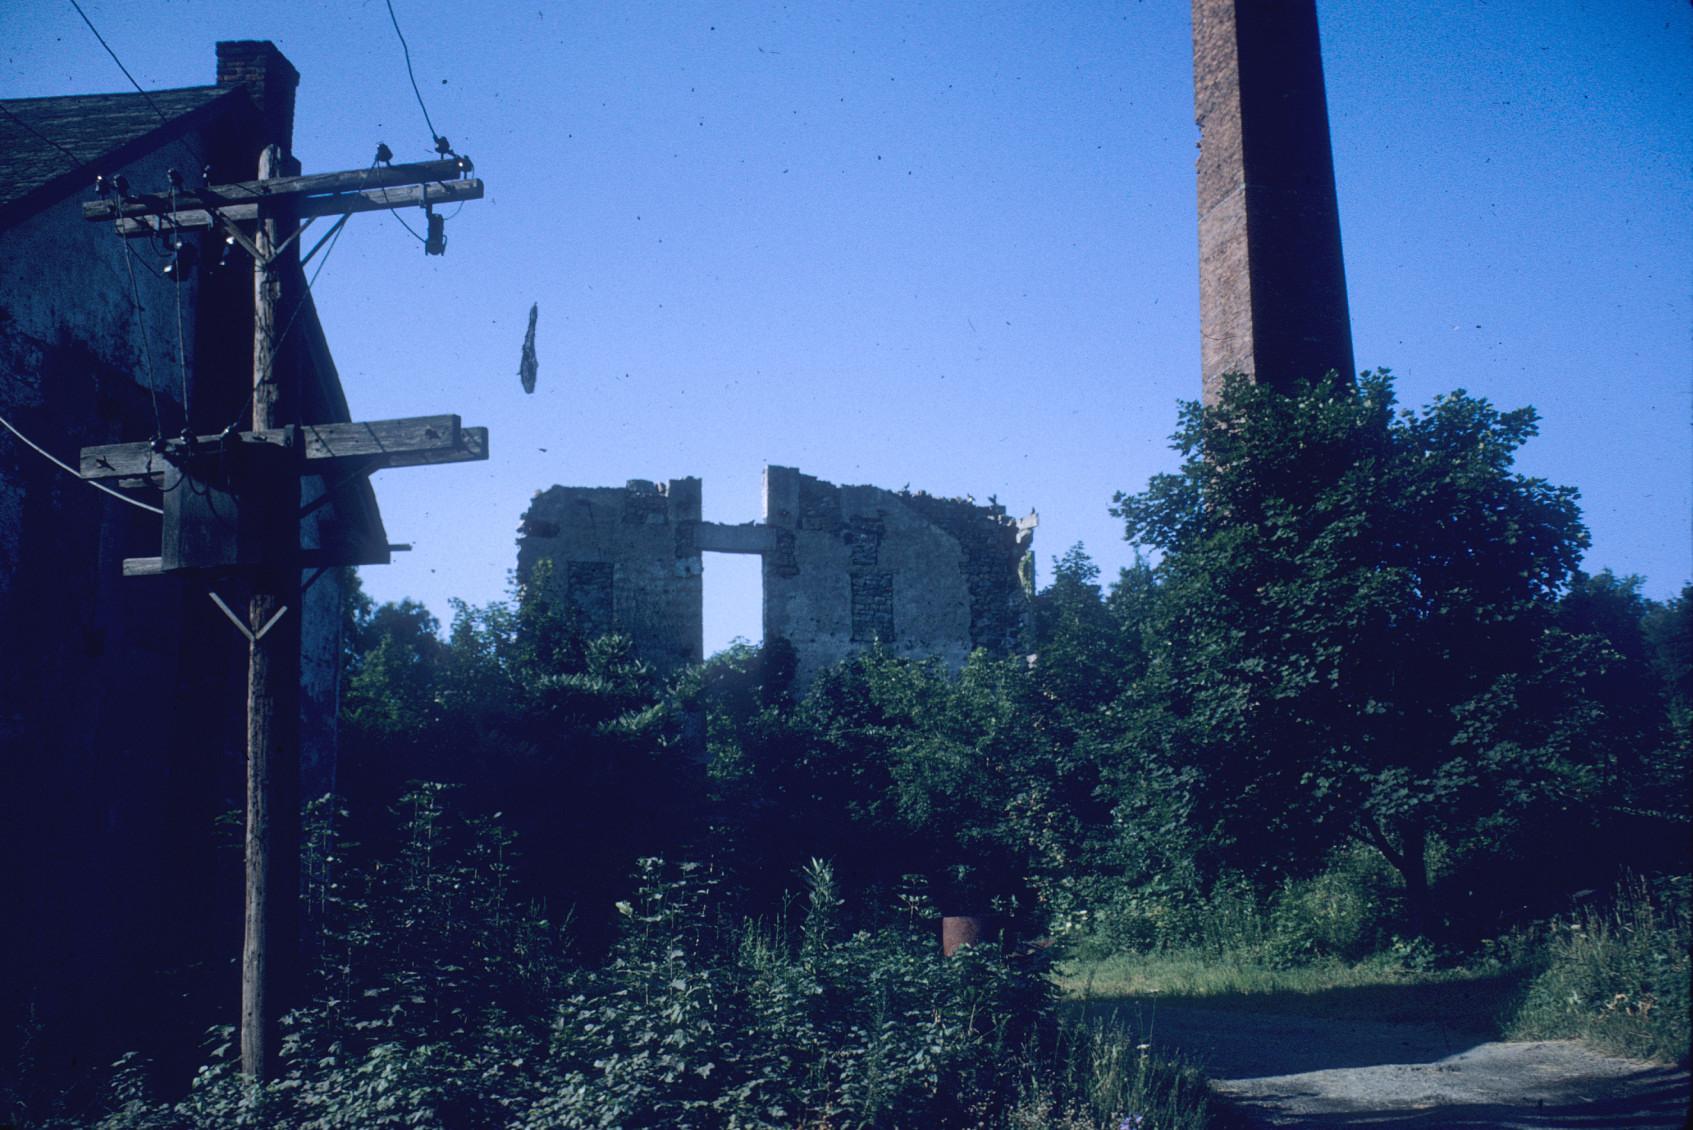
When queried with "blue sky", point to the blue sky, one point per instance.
{"points": [[950, 245]]}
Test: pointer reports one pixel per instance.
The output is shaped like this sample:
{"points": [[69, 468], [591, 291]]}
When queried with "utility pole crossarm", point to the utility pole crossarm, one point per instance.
{"points": [[432, 194], [298, 191], [410, 442]]}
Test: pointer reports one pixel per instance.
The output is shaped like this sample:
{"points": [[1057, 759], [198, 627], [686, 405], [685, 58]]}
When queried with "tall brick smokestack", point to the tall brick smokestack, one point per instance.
{"points": [[270, 80], [1272, 284]]}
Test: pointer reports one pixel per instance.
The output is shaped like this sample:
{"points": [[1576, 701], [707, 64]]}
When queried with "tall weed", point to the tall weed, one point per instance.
{"points": [[1618, 976], [441, 1003]]}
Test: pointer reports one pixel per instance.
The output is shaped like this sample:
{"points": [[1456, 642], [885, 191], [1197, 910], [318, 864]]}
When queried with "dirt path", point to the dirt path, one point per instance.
{"points": [[1302, 1071]]}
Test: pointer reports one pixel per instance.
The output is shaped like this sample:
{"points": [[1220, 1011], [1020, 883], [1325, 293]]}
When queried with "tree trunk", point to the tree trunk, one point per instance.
{"points": [[1413, 867], [1410, 859]]}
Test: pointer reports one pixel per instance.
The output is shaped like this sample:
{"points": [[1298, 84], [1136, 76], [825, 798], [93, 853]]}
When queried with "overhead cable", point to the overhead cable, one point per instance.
{"points": [[393, 19], [68, 469], [198, 163]]}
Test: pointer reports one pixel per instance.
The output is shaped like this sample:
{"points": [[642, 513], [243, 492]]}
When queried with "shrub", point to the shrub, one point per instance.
{"points": [[1341, 912], [440, 1003], [1617, 977]]}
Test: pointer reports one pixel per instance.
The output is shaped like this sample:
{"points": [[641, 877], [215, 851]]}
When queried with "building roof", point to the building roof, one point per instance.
{"points": [[51, 148], [52, 145]]}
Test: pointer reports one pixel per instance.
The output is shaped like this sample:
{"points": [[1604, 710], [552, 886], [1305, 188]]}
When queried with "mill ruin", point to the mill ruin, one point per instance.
{"points": [[844, 568]]}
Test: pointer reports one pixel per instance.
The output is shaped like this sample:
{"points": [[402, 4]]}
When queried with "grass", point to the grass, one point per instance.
{"points": [[1375, 989], [1614, 975], [1100, 1076], [1617, 977]]}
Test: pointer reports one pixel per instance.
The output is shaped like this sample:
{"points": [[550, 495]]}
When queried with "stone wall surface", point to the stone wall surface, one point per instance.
{"points": [[623, 559], [864, 568], [857, 566], [844, 568]]}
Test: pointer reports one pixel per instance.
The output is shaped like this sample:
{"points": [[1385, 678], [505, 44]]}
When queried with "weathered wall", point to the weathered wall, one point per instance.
{"points": [[122, 700], [845, 567], [623, 559], [119, 698], [855, 565], [1272, 283]]}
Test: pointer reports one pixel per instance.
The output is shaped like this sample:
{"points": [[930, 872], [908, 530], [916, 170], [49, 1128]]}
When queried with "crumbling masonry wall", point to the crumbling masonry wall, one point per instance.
{"points": [[623, 559], [859, 565], [845, 568]]}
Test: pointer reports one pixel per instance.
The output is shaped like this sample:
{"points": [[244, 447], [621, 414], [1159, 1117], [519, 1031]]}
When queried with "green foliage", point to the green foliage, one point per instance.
{"points": [[1668, 632], [892, 767], [1618, 976], [1362, 695], [579, 744], [1345, 912], [440, 1001], [1101, 1076], [1359, 631]]}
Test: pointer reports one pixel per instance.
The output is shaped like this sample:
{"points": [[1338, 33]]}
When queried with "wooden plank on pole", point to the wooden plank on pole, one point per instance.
{"points": [[409, 442], [277, 190], [370, 200]]}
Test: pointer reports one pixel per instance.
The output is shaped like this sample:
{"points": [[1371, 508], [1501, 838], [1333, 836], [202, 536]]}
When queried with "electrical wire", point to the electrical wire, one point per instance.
{"points": [[176, 279], [77, 163], [146, 346], [433, 136], [198, 163], [395, 212], [68, 469], [334, 238]]}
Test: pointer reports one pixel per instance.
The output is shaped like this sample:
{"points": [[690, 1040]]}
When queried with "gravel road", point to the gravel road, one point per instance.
{"points": [[1303, 1071]]}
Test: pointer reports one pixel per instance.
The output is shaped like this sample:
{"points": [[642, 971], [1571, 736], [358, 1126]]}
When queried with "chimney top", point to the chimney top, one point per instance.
{"points": [[270, 80]]}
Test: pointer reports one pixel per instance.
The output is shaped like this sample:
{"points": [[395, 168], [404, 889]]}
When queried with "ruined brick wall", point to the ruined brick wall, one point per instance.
{"points": [[851, 566], [623, 559], [1272, 284]]}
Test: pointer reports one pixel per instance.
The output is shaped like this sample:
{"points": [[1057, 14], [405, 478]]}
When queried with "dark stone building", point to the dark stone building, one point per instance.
{"points": [[122, 729]]}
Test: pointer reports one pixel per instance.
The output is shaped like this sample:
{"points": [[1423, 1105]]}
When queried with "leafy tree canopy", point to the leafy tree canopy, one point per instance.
{"points": [[1358, 627]]}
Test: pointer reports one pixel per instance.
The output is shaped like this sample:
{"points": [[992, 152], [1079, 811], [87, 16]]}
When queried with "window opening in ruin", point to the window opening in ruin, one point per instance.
{"points": [[734, 599]]}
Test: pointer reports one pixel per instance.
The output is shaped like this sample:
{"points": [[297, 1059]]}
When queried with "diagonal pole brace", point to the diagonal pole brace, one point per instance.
{"points": [[240, 626], [252, 636], [233, 231], [271, 623]]}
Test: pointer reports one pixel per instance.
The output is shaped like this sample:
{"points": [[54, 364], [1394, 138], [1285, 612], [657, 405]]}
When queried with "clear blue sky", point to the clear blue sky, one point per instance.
{"points": [[950, 245]]}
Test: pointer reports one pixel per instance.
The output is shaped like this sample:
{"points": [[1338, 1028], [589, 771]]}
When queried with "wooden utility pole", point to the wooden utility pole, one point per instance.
{"points": [[241, 515], [270, 938]]}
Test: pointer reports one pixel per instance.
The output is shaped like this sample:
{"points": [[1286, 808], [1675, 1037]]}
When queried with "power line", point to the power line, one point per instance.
{"points": [[433, 136], [176, 289], [77, 163], [146, 345], [198, 163], [395, 212], [68, 469]]}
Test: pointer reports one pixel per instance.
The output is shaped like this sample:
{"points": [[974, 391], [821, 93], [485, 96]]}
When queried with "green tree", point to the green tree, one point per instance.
{"points": [[1668, 629], [1357, 628], [576, 741]]}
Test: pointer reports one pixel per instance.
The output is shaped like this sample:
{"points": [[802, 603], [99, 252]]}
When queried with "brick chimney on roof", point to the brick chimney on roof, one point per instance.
{"points": [[270, 80]]}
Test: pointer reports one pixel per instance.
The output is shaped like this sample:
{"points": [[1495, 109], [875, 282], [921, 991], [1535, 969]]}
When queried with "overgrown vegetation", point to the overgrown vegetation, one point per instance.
{"points": [[1356, 722], [1617, 975], [442, 1001]]}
